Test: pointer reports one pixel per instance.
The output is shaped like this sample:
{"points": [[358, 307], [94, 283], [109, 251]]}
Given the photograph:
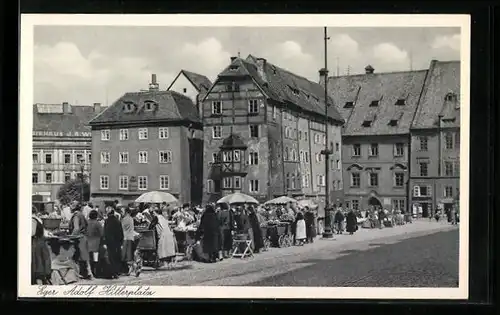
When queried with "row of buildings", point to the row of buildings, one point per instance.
{"points": [[262, 130]]}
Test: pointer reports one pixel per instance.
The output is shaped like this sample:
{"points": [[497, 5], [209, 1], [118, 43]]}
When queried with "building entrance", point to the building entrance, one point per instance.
{"points": [[374, 203]]}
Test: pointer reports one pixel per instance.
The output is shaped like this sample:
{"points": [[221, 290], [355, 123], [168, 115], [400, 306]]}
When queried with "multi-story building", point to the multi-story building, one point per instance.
{"points": [[435, 141], [378, 109], [191, 84], [264, 130], [61, 145], [146, 141]]}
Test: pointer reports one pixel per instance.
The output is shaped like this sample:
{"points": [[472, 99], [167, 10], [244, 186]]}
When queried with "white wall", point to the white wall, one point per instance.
{"points": [[183, 86]]}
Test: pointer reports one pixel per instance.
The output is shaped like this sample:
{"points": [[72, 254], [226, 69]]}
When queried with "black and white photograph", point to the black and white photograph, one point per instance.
{"points": [[244, 156]]}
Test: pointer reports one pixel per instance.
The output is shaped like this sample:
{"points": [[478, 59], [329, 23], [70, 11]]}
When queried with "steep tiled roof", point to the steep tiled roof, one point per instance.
{"points": [[280, 85], [201, 82], [443, 78], [169, 106], [55, 120], [354, 95]]}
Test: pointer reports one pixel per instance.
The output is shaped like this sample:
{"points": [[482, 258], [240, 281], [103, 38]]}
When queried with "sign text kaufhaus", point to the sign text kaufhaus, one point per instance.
{"points": [[61, 134]]}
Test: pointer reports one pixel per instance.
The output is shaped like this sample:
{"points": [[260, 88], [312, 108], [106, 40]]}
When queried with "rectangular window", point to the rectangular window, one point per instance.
{"points": [[457, 140], [398, 204], [457, 168], [448, 139], [399, 179], [165, 156], [355, 180], [423, 143], [253, 158], [123, 157], [34, 178], [123, 134], [337, 147], [227, 182], [79, 158], [254, 131], [306, 135], [67, 158], [253, 106], [89, 158], [104, 182], [424, 169], [36, 158], [48, 158], [227, 156], [143, 133], [163, 133], [356, 150], [164, 182], [355, 204], [448, 168], [215, 157], [143, 182], [373, 179], [123, 182], [448, 192], [216, 108], [422, 191], [237, 182], [321, 180], [399, 149], [306, 156], [374, 149], [143, 157], [338, 164], [105, 157], [210, 186], [216, 132], [253, 186], [105, 135], [67, 177]]}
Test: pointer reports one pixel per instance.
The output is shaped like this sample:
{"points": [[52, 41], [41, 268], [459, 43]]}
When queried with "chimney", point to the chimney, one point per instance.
{"points": [[66, 108], [261, 66], [153, 86], [323, 75], [233, 59], [369, 69], [97, 107]]}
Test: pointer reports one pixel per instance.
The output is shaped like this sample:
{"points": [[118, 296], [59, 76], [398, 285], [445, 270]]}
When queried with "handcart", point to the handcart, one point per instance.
{"points": [[284, 233], [147, 248], [185, 241]]}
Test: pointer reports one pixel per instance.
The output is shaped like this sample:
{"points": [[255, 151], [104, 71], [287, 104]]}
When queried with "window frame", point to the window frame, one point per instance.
{"points": [[142, 133], [253, 106], [163, 177], [166, 153], [219, 104], [252, 184], [124, 134], [353, 179], [120, 178], [101, 178], [105, 135], [163, 133], [105, 154], [121, 154], [139, 182], [144, 161], [214, 128]]}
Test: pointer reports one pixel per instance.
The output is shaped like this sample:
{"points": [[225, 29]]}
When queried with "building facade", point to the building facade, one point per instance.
{"points": [[435, 141], [61, 146], [191, 84], [271, 122], [147, 141], [378, 109]]}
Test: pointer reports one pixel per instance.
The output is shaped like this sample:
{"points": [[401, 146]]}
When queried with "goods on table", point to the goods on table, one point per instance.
{"points": [[273, 222], [51, 221], [287, 218]]}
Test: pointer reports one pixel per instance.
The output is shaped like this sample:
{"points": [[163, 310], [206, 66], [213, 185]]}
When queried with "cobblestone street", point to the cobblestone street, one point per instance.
{"points": [[417, 254]]}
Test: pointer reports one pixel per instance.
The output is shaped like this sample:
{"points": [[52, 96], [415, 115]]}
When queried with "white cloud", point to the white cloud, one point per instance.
{"points": [[389, 57], [447, 42], [289, 55]]}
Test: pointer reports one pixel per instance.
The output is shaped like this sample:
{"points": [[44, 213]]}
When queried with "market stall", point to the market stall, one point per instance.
{"points": [[238, 198]]}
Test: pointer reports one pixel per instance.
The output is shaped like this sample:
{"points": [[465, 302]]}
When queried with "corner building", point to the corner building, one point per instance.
{"points": [[264, 129], [379, 110], [435, 141], [147, 141]]}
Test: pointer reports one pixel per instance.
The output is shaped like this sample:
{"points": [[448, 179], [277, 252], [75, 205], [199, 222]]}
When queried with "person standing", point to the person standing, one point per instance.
{"points": [[310, 226], [300, 229], [165, 237], [338, 220], [78, 226], [95, 232], [41, 268], [86, 210], [226, 224], [258, 241], [209, 230], [113, 240], [130, 237], [351, 222]]}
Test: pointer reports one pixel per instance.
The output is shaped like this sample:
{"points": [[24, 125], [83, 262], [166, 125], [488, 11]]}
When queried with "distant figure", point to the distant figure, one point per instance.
{"points": [[310, 226], [352, 222], [209, 229], [338, 221], [300, 229]]}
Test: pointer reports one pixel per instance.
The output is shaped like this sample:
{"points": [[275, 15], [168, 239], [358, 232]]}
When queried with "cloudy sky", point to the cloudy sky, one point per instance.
{"points": [[88, 64]]}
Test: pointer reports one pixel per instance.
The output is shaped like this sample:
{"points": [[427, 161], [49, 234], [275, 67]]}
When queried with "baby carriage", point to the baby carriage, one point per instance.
{"points": [[147, 248]]}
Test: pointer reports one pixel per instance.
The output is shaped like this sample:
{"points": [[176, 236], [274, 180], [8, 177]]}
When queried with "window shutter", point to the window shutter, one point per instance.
{"points": [[429, 191], [416, 191]]}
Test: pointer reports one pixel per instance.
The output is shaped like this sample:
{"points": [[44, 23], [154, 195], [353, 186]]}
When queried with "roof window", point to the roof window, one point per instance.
{"points": [[401, 102], [295, 91], [366, 123], [149, 105], [374, 103], [349, 105], [234, 67], [128, 106], [395, 119], [393, 122]]}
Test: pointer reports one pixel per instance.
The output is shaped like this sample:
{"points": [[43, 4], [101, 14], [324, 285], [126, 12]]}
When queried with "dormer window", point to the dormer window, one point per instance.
{"points": [[393, 122], [366, 123], [401, 102], [349, 105], [233, 68], [149, 105], [128, 106], [395, 119], [316, 100], [294, 91], [450, 97], [374, 103]]}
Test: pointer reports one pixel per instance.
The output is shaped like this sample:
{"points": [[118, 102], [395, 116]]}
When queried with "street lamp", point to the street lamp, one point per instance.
{"points": [[81, 161]]}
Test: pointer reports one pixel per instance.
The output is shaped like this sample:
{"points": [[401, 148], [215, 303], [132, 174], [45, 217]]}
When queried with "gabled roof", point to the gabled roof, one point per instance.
{"points": [[199, 81], [283, 86], [170, 106], [50, 117], [387, 88], [443, 79]]}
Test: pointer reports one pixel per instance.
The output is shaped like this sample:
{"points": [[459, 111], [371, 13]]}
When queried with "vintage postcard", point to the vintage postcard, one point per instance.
{"points": [[248, 156]]}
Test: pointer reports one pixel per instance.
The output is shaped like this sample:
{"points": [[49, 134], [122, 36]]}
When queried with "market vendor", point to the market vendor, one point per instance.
{"points": [[40, 255]]}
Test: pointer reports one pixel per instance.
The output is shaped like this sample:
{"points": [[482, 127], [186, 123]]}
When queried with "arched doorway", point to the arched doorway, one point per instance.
{"points": [[373, 202]]}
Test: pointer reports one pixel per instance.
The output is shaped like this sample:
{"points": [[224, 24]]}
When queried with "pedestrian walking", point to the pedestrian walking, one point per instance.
{"points": [[209, 230], [352, 222], [338, 220]]}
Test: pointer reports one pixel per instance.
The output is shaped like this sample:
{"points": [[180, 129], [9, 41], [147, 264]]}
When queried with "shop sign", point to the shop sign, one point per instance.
{"points": [[62, 134]]}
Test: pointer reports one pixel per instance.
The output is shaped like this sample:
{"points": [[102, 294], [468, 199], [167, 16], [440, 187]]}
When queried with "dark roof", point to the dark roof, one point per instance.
{"points": [[387, 89], [200, 82], [279, 85], [443, 78], [233, 142], [170, 106], [50, 117]]}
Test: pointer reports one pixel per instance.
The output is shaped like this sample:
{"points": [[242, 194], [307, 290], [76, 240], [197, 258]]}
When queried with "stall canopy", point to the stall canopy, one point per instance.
{"points": [[280, 201], [156, 197], [237, 198], [307, 203]]}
